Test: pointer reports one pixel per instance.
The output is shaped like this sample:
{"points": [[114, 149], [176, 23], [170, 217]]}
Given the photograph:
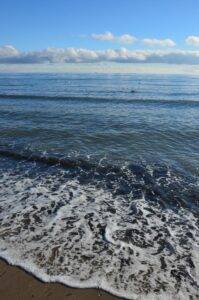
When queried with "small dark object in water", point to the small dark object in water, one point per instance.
{"points": [[132, 91]]}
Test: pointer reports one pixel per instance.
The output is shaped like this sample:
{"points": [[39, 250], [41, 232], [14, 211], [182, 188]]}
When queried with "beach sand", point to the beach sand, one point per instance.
{"points": [[16, 284]]}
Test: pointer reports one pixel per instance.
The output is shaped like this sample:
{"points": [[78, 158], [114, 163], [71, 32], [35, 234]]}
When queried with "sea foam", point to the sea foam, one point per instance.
{"points": [[85, 235]]}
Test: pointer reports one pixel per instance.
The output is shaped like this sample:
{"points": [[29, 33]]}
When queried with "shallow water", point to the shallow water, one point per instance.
{"points": [[99, 181]]}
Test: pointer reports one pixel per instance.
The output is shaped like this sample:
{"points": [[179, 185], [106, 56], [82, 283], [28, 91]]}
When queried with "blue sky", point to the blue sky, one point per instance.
{"points": [[151, 25]]}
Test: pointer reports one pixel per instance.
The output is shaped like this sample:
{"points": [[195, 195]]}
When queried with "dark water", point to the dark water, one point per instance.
{"points": [[99, 116], [95, 163]]}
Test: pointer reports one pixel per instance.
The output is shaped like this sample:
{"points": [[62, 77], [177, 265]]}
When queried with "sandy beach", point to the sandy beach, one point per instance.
{"points": [[16, 284]]}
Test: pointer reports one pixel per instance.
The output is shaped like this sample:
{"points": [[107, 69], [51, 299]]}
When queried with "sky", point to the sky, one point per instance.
{"points": [[152, 36]]}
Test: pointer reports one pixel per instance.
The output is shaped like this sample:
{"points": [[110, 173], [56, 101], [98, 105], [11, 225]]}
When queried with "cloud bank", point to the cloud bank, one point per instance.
{"points": [[129, 39], [11, 55]]}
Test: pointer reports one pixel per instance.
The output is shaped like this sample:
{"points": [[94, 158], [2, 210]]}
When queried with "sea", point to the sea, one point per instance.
{"points": [[99, 181]]}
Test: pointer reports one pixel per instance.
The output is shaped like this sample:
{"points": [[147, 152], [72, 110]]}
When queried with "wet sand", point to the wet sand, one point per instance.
{"points": [[16, 284]]}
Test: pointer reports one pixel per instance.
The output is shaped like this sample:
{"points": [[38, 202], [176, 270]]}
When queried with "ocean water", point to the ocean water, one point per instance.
{"points": [[99, 181]]}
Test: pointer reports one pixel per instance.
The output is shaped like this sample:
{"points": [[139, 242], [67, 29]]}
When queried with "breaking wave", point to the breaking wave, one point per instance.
{"points": [[131, 230]]}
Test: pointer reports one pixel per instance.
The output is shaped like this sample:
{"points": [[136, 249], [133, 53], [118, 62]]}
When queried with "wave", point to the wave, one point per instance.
{"points": [[100, 99], [184, 94], [52, 161], [127, 230], [159, 183]]}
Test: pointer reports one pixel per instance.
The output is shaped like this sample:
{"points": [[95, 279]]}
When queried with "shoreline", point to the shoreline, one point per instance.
{"points": [[18, 284]]}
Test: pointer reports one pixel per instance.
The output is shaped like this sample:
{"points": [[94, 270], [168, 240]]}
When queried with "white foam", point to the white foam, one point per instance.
{"points": [[84, 236]]}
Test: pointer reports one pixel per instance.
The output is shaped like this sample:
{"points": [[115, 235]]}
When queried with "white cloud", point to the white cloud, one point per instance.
{"points": [[192, 40], [126, 38], [10, 55], [108, 36], [8, 51], [129, 39], [159, 42]]}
